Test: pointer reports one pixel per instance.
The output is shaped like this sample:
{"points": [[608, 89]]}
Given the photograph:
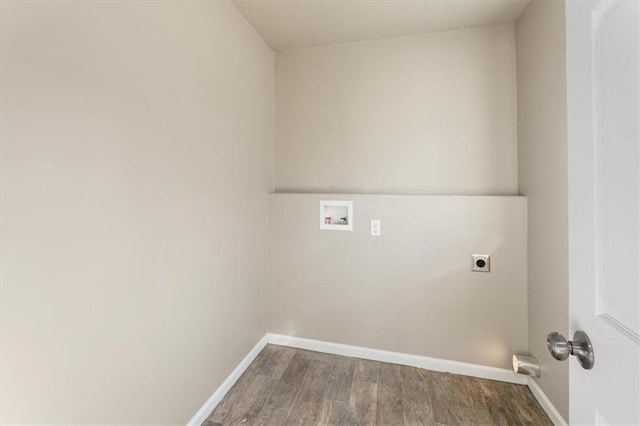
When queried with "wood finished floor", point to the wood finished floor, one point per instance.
{"points": [[292, 386]]}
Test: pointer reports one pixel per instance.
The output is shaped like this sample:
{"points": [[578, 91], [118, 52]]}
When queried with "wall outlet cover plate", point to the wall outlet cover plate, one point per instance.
{"points": [[481, 263], [375, 227]]}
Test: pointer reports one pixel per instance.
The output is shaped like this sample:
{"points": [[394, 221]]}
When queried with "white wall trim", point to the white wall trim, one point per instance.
{"points": [[545, 403], [222, 390], [435, 364]]}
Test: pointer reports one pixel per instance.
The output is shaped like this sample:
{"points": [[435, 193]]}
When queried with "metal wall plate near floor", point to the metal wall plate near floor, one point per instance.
{"points": [[285, 385]]}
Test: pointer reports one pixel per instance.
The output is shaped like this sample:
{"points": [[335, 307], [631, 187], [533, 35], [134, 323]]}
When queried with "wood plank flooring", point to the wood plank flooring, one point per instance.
{"points": [[286, 386]]}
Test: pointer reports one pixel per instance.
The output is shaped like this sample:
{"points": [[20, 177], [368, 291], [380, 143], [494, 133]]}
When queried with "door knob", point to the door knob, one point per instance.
{"points": [[580, 347]]}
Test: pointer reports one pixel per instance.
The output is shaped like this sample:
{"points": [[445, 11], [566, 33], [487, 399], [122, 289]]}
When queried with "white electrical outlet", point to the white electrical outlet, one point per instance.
{"points": [[481, 263], [375, 228]]}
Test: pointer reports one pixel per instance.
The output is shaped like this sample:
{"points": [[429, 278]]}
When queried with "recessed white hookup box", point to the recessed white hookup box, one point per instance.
{"points": [[336, 215]]}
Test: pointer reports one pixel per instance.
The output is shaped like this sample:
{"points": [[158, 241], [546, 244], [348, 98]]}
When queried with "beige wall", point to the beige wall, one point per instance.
{"points": [[428, 114], [137, 153], [542, 155], [411, 289]]}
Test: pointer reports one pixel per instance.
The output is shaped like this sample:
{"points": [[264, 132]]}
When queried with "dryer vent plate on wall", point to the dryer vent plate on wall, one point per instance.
{"points": [[481, 263], [336, 215]]}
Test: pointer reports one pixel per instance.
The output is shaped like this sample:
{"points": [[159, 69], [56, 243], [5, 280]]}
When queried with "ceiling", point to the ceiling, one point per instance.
{"points": [[289, 24]]}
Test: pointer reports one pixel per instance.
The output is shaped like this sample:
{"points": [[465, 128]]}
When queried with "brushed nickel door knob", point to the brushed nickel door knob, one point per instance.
{"points": [[580, 347], [558, 346]]}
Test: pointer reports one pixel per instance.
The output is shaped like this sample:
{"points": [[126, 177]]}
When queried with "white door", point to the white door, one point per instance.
{"points": [[603, 91]]}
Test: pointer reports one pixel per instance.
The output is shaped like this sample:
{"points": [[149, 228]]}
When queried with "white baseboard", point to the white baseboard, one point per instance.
{"points": [[222, 390], [425, 362], [546, 404]]}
